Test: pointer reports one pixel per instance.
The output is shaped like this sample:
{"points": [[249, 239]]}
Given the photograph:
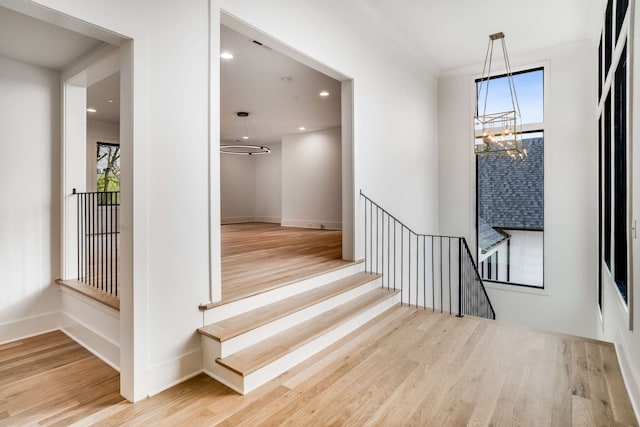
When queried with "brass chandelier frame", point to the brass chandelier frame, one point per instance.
{"points": [[497, 133]]}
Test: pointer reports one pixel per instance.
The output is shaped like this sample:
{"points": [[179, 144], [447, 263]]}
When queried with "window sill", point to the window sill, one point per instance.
{"points": [[91, 292], [516, 288]]}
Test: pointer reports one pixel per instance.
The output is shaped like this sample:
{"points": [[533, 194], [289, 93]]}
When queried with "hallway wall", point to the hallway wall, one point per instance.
{"points": [[30, 213]]}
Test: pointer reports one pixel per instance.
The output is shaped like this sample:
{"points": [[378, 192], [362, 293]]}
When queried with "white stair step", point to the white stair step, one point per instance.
{"points": [[232, 327], [219, 311], [247, 369]]}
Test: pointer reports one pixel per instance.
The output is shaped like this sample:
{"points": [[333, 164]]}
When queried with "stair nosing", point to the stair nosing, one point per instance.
{"points": [[384, 294], [367, 278]]}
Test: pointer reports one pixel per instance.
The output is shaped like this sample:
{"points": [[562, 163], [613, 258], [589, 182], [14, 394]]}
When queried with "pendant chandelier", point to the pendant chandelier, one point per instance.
{"points": [[241, 148], [497, 133]]}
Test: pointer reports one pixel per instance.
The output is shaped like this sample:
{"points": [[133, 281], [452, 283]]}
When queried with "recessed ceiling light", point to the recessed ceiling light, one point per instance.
{"points": [[286, 79], [110, 101], [226, 55], [324, 93], [91, 110], [245, 137], [302, 128]]}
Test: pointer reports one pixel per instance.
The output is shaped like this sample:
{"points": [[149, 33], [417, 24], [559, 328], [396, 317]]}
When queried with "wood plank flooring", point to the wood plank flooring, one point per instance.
{"points": [[258, 256], [52, 380], [407, 367]]}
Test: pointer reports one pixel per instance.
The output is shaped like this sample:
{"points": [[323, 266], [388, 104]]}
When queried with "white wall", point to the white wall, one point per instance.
{"points": [[568, 302], [98, 131], [30, 213], [166, 183], [311, 179], [237, 188], [251, 187], [268, 197]]}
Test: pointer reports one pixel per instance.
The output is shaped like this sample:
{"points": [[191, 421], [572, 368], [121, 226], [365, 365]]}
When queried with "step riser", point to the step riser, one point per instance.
{"points": [[264, 332], [250, 382], [221, 374], [250, 303]]}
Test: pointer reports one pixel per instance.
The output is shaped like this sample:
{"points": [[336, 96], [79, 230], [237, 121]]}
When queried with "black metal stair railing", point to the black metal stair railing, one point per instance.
{"points": [[98, 239], [430, 271]]}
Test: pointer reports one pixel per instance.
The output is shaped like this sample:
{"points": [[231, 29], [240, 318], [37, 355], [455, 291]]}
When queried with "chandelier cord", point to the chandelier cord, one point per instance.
{"points": [[488, 58], [512, 86]]}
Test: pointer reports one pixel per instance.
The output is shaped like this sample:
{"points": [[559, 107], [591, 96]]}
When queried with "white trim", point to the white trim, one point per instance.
{"points": [[312, 223], [268, 219], [29, 327], [91, 302], [631, 379], [164, 375], [236, 219], [94, 342]]}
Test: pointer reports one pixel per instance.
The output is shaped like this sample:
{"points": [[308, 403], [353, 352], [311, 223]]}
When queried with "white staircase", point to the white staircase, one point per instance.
{"points": [[248, 342]]}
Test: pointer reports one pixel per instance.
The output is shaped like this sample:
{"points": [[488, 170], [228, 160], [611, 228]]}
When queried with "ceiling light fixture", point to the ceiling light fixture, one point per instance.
{"points": [[302, 128], [324, 93], [497, 133], [243, 149], [226, 55], [91, 110], [286, 79], [110, 101]]}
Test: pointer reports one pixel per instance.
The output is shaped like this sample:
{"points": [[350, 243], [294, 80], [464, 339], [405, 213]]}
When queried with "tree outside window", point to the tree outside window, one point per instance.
{"points": [[108, 171]]}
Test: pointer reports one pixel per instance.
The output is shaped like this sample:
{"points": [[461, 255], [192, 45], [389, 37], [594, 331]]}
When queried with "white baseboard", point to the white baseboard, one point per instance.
{"points": [[236, 219], [631, 379], [243, 219], [164, 375], [269, 219], [312, 223], [28, 327], [102, 347]]}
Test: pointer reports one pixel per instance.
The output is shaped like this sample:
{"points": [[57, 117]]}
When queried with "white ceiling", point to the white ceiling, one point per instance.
{"points": [[454, 33], [443, 33], [99, 96], [36, 42], [251, 82]]}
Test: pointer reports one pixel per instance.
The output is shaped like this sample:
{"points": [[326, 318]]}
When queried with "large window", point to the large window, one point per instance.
{"points": [[613, 117], [510, 192]]}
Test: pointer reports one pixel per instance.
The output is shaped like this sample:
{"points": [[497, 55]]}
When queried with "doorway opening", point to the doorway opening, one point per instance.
{"points": [[286, 204]]}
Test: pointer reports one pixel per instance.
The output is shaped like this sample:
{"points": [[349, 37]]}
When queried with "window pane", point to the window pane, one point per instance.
{"points": [[607, 181], [108, 168], [511, 216], [620, 177], [529, 90], [608, 34], [621, 10]]}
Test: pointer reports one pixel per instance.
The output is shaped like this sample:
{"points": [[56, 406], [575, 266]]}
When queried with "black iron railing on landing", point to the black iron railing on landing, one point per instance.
{"points": [[98, 240], [430, 271]]}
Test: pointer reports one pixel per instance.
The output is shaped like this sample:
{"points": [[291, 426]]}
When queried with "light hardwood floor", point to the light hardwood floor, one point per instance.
{"points": [[257, 256], [407, 367], [52, 380]]}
